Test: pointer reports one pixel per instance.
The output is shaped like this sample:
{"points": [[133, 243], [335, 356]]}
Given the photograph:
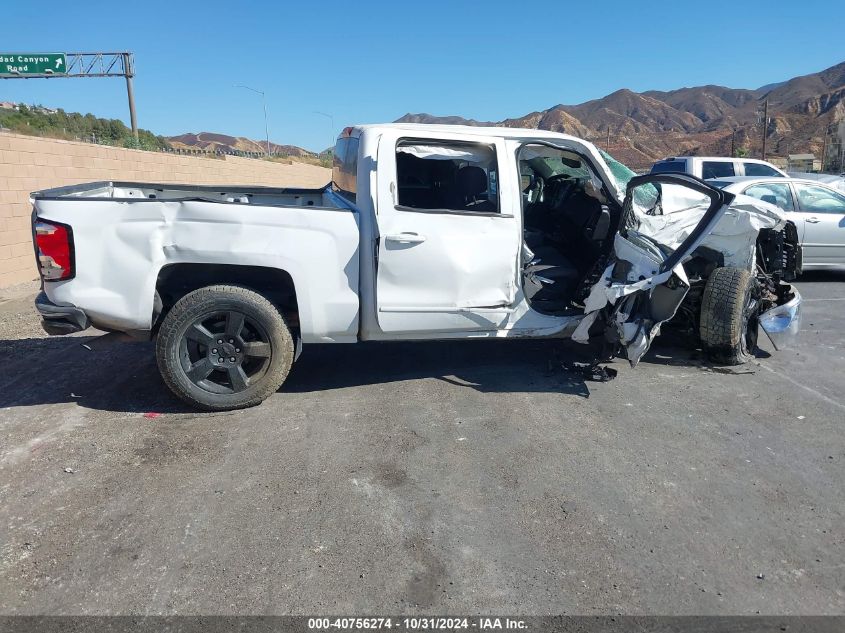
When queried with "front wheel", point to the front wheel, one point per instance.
{"points": [[730, 310], [224, 347]]}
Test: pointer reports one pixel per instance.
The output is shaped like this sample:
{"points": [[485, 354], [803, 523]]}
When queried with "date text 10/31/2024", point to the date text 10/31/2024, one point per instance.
{"points": [[416, 623]]}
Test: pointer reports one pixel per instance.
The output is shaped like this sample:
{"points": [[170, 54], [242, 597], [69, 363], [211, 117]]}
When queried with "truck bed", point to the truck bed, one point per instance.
{"points": [[127, 236], [134, 191]]}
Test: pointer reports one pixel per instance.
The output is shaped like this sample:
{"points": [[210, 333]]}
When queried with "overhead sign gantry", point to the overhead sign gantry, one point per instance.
{"points": [[54, 65]]}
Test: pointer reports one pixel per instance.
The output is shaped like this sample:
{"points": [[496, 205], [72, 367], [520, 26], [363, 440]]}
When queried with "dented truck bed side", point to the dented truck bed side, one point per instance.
{"points": [[122, 242]]}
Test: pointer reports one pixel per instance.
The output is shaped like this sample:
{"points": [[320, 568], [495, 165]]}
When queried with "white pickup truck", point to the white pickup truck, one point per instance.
{"points": [[426, 232]]}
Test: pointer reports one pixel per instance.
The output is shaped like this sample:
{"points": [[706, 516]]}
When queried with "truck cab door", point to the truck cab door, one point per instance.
{"points": [[665, 218], [448, 234]]}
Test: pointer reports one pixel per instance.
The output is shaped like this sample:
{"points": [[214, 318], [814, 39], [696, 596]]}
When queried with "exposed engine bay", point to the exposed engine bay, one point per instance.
{"points": [[777, 261]]}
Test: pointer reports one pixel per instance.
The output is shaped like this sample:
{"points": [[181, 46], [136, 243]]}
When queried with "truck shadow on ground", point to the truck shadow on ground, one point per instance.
{"points": [[486, 366], [123, 377], [117, 377]]}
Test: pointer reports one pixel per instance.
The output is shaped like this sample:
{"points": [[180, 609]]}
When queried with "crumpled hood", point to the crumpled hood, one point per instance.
{"points": [[734, 235], [731, 230]]}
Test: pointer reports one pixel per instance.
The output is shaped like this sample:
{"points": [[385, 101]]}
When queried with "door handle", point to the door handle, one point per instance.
{"points": [[813, 220], [405, 238]]}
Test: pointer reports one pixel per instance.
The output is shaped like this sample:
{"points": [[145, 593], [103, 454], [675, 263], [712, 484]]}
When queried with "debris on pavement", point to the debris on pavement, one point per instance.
{"points": [[591, 372], [727, 370], [69, 470]]}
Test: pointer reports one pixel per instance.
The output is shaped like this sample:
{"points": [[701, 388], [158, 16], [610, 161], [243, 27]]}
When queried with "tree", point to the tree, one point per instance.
{"points": [[61, 124]]}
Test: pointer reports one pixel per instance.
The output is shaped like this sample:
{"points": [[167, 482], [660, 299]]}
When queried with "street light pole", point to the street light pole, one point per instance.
{"points": [[264, 103], [129, 69], [331, 119]]}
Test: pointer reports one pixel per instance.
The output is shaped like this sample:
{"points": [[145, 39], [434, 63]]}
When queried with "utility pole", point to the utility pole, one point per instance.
{"points": [[129, 70], [264, 103], [841, 155], [607, 144], [733, 142], [765, 125], [824, 148], [266, 127]]}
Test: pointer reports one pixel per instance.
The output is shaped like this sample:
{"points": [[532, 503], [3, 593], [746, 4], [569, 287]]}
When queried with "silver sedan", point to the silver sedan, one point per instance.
{"points": [[817, 210]]}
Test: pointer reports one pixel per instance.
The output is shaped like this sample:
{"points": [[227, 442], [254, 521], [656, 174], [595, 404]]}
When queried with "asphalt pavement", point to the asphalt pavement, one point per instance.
{"points": [[461, 477]]}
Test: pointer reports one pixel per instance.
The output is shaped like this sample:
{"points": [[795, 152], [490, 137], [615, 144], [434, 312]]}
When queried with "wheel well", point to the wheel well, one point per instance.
{"points": [[176, 280]]}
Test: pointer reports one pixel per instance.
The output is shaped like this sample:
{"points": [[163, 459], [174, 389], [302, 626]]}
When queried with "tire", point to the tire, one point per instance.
{"points": [[730, 310], [224, 347]]}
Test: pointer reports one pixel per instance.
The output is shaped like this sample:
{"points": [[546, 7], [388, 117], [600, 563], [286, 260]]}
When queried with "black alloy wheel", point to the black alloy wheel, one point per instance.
{"points": [[224, 347], [225, 352]]}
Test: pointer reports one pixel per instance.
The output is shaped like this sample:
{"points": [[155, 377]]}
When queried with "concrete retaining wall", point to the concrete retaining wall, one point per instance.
{"points": [[30, 163]]}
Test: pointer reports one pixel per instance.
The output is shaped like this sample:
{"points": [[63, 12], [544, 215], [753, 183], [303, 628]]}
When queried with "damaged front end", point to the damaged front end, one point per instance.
{"points": [[779, 261], [632, 300], [671, 221]]}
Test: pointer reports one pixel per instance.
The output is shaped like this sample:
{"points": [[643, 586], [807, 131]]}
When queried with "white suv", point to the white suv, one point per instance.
{"points": [[706, 167]]}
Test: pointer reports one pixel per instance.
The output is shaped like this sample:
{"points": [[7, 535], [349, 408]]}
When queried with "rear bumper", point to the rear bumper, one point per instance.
{"points": [[57, 320], [782, 322]]}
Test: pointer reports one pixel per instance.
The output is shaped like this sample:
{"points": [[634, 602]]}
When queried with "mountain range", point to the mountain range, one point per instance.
{"points": [[704, 120]]}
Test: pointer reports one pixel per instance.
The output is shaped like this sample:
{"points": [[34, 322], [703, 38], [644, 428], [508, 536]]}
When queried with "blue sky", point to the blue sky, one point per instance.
{"points": [[366, 62]]}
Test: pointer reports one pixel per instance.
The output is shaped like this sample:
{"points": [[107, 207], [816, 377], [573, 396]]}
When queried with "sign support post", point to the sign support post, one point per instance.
{"points": [[128, 66]]}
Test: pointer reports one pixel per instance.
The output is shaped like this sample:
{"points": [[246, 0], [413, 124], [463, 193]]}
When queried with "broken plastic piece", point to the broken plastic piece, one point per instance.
{"points": [[592, 372], [782, 323]]}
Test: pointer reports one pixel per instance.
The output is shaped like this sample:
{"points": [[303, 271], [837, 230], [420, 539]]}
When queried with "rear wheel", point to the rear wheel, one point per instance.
{"points": [[730, 310], [224, 347]]}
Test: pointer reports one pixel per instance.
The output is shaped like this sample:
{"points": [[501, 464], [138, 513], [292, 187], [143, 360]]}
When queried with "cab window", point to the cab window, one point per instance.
{"points": [[757, 169], [345, 168], [445, 176], [669, 167], [776, 194], [717, 169]]}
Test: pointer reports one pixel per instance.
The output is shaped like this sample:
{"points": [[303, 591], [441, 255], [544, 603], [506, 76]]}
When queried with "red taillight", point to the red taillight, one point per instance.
{"points": [[54, 243]]}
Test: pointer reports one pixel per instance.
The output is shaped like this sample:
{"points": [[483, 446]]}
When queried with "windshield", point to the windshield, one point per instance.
{"points": [[550, 162], [644, 195], [621, 173]]}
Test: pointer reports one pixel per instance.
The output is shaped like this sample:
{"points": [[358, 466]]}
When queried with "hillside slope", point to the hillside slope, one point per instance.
{"points": [[647, 126], [213, 141]]}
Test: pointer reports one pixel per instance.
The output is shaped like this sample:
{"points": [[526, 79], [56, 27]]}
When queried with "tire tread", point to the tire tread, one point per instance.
{"points": [[722, 307]]}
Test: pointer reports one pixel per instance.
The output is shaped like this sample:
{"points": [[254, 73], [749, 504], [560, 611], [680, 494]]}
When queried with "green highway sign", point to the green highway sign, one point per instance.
{"points": [[26, 64]]}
